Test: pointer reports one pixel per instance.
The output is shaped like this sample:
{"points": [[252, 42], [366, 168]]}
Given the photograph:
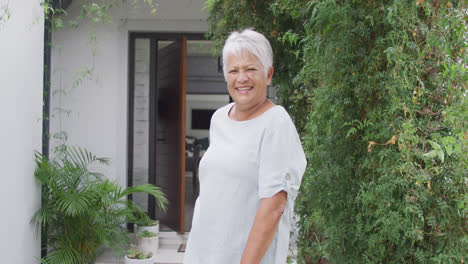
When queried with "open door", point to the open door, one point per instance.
{"points": [[170, 131]]}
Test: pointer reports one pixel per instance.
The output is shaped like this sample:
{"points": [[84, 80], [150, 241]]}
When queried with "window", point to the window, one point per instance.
{"points": [[201, 118]]}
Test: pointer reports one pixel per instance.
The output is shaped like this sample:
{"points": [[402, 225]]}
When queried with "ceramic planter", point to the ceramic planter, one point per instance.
{"points": [[153, 229], [148, 244], [139, 261]]}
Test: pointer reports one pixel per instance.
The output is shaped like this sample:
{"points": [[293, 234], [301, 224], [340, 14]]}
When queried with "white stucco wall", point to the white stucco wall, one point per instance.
{"points": [[98, 117], [21, 69]]}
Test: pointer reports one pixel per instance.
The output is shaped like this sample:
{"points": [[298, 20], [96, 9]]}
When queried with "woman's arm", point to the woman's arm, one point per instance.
{"points": [[264, 228]]}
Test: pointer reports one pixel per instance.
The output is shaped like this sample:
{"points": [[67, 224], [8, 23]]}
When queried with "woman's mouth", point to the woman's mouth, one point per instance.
{"points": [[244, 90]]}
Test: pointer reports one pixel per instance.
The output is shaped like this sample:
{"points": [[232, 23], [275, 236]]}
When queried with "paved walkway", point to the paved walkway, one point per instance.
{"points": [[169, 244]]}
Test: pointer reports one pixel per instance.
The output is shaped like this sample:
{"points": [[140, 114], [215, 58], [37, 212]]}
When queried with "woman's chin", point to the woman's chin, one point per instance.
{"points": [[242, 101], [243, 98]]}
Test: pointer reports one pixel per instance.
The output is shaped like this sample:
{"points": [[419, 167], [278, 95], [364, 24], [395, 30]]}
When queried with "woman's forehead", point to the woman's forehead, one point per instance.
{"points": [[243, 58]]}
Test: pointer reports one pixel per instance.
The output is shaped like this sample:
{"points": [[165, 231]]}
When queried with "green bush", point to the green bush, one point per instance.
{"points": [[378, 92]]}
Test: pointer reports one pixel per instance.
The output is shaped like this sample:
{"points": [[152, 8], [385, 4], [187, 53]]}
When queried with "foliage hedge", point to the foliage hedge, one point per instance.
{"points": [[378, 92]]}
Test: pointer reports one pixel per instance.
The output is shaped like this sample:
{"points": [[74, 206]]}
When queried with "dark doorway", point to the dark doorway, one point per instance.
{"points": [[156, 136]]}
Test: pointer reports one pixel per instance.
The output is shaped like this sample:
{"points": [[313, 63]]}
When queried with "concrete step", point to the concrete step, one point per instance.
{"points": [[169, 256], [172, 238]]}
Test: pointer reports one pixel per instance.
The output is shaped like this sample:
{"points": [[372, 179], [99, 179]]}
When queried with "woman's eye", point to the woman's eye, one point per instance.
{"points": [[233, 71], [251, 69]]}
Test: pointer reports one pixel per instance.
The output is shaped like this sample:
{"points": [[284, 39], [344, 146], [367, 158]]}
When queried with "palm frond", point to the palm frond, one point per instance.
{"points": [[65, 255], [150, 189], [43, 215], [73, 204], [82, 157], [44, 261], [42, 171]]}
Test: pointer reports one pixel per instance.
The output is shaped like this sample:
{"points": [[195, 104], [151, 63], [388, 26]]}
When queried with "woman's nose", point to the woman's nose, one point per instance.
{"points": [[242, 77]]}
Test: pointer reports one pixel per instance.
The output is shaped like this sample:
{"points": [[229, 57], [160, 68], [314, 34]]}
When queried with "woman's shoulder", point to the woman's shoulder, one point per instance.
{"points": [[282, 113], [221, 111], [279, 116]]}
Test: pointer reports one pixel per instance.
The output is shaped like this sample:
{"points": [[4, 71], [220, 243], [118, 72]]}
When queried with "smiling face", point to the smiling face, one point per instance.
{"points": [[246, 80]]}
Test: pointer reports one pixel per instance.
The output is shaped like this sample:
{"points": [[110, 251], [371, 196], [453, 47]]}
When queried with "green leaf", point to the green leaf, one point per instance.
{"points": [[449, 150], [58, 23], [434, 145], [441, 155], [73, 24]]}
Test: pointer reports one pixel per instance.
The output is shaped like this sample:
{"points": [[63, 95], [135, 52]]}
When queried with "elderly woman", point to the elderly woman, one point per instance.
{"points": [[252, 170]]}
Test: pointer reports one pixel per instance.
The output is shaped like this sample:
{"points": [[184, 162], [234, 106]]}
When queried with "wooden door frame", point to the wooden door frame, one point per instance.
{"points": [[182, 102], [154, 37]]}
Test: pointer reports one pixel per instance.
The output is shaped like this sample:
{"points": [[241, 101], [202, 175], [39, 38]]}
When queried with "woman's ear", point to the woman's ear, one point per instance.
{"points": [[270, 75]]}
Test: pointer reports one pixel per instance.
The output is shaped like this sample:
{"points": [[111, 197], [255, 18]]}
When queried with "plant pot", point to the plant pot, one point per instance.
{"points": [[148, 244], [153, 228], [139, 261]]}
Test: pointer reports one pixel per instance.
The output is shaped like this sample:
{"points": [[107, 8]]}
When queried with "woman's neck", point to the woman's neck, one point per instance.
{"points": [[240, 113]]}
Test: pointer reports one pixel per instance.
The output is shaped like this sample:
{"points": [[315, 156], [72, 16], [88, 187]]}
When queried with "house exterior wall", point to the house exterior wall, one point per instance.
{"points": [[96, 103], [21, 73]]}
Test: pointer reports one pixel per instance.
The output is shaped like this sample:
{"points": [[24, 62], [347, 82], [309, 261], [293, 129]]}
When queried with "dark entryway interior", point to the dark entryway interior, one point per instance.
{"points": [[173, 90]]}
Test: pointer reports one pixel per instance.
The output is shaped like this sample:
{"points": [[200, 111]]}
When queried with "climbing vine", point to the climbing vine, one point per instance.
{"points": [[90, 13], [4, 12], [90, 10]]}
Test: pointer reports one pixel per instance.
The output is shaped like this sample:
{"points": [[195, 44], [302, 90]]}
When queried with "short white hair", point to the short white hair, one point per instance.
{"points": [[251, 41]]}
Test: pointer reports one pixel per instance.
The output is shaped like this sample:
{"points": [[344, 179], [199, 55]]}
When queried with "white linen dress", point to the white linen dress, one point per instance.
{"points": [[245, 162]]}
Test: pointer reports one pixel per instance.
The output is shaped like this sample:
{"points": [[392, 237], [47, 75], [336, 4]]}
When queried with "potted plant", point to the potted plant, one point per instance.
{"points": [[82, 210], [147, 224], [135, 256], [148, 241]]}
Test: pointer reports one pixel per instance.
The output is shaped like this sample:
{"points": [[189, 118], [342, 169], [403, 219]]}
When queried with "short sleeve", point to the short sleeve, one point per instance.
{"points": [[282, 161]]}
